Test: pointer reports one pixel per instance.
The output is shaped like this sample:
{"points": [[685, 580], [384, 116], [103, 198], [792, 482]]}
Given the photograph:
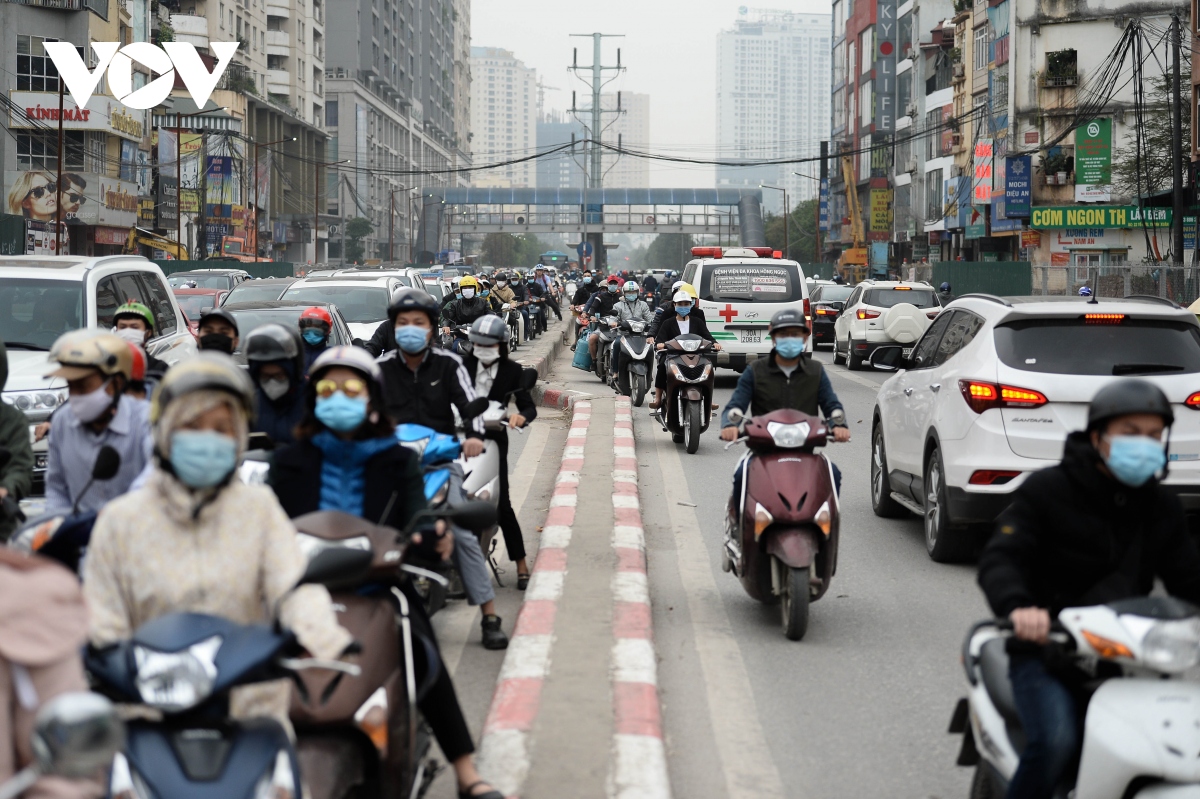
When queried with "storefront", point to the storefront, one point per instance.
{"points": [[1108, 235]]}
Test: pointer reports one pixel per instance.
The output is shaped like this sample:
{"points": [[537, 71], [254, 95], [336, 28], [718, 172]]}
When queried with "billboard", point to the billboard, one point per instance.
{"points": [[87, 197], [885, 66]]}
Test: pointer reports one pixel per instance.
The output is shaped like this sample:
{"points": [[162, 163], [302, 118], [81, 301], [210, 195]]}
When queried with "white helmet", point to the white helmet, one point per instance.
{"points": [[682, 296]]}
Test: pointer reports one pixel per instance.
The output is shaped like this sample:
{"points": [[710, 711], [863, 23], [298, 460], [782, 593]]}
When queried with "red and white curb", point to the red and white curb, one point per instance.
{"points": [[504, 752], [639, 767]]}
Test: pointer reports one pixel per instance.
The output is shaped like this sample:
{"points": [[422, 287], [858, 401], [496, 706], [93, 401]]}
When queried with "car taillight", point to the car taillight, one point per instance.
{"points": [[982, 396], [1193, 401], [1103, 318], [823, 312], [864, 314], [992, 477], [807, 308]]}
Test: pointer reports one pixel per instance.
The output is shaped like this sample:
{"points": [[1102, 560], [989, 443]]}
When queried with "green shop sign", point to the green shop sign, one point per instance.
{"points": [[1093, 153], [1098, 216]]}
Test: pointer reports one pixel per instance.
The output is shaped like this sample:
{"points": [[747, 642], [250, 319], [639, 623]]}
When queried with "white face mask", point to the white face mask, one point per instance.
{"points": [[487, 355], [131, 334], [468, 293], [275, 388], [501, 284], [90, 407]]}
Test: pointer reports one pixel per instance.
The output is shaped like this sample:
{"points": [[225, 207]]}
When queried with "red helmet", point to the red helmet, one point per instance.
{"points": [[138, 373], [316, 317]]}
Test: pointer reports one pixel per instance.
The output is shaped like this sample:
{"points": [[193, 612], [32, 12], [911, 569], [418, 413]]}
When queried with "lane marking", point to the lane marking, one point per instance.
{"points": [[741, 743], [846, 374]]}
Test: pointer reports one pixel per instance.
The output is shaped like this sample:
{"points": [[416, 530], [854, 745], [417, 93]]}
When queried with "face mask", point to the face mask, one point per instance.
{"points": [[587, 280], [130, 334], [631, 296], [458, 294], [501, 284], [790, 347], [487, 355], [274, 389], [217, 341], [613, 288], [202, 458], [486, 292], [90, 407], [314, 337], [1135, 459], [412, 339], [683, 310], [468, 294], [340, 413]]}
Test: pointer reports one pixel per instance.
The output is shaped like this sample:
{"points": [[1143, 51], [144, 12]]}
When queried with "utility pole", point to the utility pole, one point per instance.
{"points": [[1176, 146], [58, 182], [596, 130], [823, 174]]}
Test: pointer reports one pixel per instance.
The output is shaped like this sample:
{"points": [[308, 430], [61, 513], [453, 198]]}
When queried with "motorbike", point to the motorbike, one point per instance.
{"points": [[512, 317], [781, 534], [537, 317], [607, 328], [184, 666], [637, 362], [457, 340], [1139, 729], [364, 737], [687, 398]]}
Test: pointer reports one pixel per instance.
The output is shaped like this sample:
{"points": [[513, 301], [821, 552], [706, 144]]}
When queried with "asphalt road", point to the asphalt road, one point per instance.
{"points": [[860, 707]]}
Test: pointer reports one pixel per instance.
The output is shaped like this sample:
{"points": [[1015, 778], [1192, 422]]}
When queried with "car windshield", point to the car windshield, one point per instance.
{"points": [[357, 303], [1074, 347], [248, 292], [886, 298], [834, 293], [752, 283], [34, 312], [193, 304], [250, 318], [200, 281]]}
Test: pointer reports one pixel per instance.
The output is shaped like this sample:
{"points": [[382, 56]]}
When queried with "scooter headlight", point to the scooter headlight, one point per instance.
{"points": [[125, 783], [312, 546], [788, 436], [175, 681], [372, 719], [279, 782], [1172, 646]]}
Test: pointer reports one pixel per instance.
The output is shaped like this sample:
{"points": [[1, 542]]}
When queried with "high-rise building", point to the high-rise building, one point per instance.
{"points": [[773, 101], [503, 117], [564, 169], [631, 130]]}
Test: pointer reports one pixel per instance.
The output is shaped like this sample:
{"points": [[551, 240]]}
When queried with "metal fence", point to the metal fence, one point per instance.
{"points": [[1178, 283]]}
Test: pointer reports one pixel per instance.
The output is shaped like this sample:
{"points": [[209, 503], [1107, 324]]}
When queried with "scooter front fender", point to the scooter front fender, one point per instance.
{"points": [[693, 394], [795, 547], [638, 367]]}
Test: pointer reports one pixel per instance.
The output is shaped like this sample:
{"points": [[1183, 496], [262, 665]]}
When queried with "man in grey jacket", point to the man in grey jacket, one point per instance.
{"points": [[631, 307]]}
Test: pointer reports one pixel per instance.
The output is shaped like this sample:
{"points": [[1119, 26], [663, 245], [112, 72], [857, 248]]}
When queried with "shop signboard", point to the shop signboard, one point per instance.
{"points": [[87, 197], [1101, 216], [976, 222], [101, 113], [984, 161], [1018, 189]]}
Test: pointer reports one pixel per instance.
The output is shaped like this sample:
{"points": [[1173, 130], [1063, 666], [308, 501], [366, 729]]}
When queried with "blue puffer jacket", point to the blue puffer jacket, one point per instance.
{"points": [[342, 472]]}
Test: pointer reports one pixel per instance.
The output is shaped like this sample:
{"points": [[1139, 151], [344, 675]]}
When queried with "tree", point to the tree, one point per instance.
{"points": [[669, 251], [357, 229], [802, 232], [1156, 128]]}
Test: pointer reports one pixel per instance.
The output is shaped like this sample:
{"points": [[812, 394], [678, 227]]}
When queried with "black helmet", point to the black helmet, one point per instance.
{"points": [[408, 299], [488, 330], [273, 342], [219, 313], [788, 317], [944, 288], [1125, 397], [501, 276]]}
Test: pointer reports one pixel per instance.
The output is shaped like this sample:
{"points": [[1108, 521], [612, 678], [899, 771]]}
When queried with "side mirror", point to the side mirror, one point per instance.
{"points": [[108, 463], [474, 515], [76, 734], [474, 408], [887, 359], [336, 566], [529, 378]]}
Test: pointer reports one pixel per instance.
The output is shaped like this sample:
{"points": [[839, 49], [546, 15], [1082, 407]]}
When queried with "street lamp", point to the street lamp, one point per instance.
{"points": [[786, 214], [256, 146], [317, 200], [179, 169]]}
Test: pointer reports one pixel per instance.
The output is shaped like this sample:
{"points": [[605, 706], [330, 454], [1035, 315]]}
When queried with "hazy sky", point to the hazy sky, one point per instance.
{"points": [[668, 50]]}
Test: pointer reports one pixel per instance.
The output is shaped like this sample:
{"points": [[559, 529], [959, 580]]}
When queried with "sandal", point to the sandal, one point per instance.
{"points": [[522, 582], [465, 793]]}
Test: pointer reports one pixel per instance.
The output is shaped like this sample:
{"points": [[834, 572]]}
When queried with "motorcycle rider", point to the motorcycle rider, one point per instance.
{"points": [[196, 538], [466, 310], [551, 292], [276, 363], [1096, 528], [536, 291], [420, 384], [315, 323], [767, 384], [499, 378], [600, 305], [664, 309], [16, 476], [517, 284], [680, 323], [585, 289], [134, 322], [631, 307], [97, 367], [218, 330]]}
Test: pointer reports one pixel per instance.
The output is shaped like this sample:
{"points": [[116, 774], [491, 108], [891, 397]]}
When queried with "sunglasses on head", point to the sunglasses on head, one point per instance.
{"points": [[38, 192], [351, 387]]}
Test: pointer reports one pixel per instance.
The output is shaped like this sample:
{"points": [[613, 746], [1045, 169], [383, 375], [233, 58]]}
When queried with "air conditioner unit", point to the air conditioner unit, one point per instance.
{"points": [[956, 171], [956, 139], [960, 71], [910, 165], [911, 110]]}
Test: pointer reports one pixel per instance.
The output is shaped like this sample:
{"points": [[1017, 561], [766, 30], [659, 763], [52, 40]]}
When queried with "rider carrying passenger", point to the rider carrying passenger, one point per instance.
{"points": [[601, 305], [680, 323], [1097, 528], [466, 310]]}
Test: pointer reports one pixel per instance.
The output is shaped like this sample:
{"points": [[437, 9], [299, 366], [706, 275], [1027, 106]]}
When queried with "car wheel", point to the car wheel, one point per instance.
{"points": [[881, 486], [943, 542], [837, 353], [854, 362]]}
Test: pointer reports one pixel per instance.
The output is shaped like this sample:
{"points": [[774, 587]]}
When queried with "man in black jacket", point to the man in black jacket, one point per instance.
{"points": [[1097, 528], [467, 308], [677, 324], [601, 305], [585, 289]]}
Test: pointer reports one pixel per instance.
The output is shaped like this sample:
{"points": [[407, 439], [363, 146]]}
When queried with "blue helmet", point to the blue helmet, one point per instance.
{"points": [[1086, 291]]}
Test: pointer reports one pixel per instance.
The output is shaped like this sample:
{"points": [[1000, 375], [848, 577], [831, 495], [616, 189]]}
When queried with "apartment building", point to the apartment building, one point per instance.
{"points": [[504, 117]]}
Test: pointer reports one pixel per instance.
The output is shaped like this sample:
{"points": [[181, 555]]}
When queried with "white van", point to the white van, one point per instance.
{"points": [[740, 289]]}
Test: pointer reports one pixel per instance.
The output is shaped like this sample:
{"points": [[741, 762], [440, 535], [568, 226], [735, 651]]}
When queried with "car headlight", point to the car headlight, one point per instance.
{"points": [[33, 401], [175, 681], [1172, 645], [788, 436], [312, 546], [279, 781], [125, 783]]}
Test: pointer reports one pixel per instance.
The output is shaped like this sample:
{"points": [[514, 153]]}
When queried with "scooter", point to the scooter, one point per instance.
{"points": [[512, 317], [184, 665], [1140, 734], [536, 318], [458, 339], [607, 328], [687, 399], [781, 534], [364, 737], [637, 361]]}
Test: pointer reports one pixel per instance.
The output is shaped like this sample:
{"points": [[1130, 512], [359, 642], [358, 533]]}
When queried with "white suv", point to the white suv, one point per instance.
{"points": [[43, 297], [362, 297], [994, 386], [882, 312]]}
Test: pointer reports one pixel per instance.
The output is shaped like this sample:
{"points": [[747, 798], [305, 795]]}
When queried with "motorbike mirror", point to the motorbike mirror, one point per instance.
{"points": [[260, 441], [474, 515], [887, 359], [108, 463], [337, 565], [529, 378], [474, 408], [76, 734]]}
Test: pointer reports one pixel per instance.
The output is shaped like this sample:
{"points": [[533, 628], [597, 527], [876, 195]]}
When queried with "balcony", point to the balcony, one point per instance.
{"points": [[279, 81], [190, 28], [277, 9], [279, 43], [57, 5]]}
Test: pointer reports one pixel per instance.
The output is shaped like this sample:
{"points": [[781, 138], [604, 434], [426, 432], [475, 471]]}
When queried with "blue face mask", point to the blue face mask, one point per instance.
{"points": [[683, 310], [412, 339], [1135, 459], [202, 458], [486, 292], [340, 413], [314, 337], [790, 347], [612, 287], [587, 280]]}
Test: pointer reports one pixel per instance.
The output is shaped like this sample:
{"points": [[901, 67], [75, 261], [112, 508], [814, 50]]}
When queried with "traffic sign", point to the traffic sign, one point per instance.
{"points": [[584, 248]]}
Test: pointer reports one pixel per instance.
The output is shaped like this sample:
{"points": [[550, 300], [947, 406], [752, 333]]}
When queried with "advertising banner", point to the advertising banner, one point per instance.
{"points": [[87, 197], [1107, 216], [219, 186], [881, 215], [977, 222], [167, 201], [885, 66], [40, 110], [956, 201], [1093, 153], [981, 182], [1018, 188], [1031, 239], [189, 153]]}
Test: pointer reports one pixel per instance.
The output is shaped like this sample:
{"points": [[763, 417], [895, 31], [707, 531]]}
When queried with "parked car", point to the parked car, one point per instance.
{"points": [[362, 298], [43, 297], [827, 299], [194, 302], [250, 315], [269, 288], [880, 312], [208, 278], [993, 387]]}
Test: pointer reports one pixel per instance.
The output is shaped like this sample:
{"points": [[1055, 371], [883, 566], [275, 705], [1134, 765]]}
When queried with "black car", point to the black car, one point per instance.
{"points": [[827, 302]]}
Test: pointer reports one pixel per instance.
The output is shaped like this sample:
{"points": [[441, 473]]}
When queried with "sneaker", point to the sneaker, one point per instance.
{"points": [[493, 635]]}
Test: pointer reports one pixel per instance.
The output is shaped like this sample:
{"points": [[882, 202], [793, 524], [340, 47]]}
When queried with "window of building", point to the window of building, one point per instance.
{"points": [[40, 150], [981, 47], [904, 37], [904, 92], [331, 113], [933, 138], [866, 46], [933, 195], [35, 71], [866, 102]]}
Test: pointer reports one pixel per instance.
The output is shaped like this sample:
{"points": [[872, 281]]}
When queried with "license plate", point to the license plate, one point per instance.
{"points": [[907, 352], [750, 336]]}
